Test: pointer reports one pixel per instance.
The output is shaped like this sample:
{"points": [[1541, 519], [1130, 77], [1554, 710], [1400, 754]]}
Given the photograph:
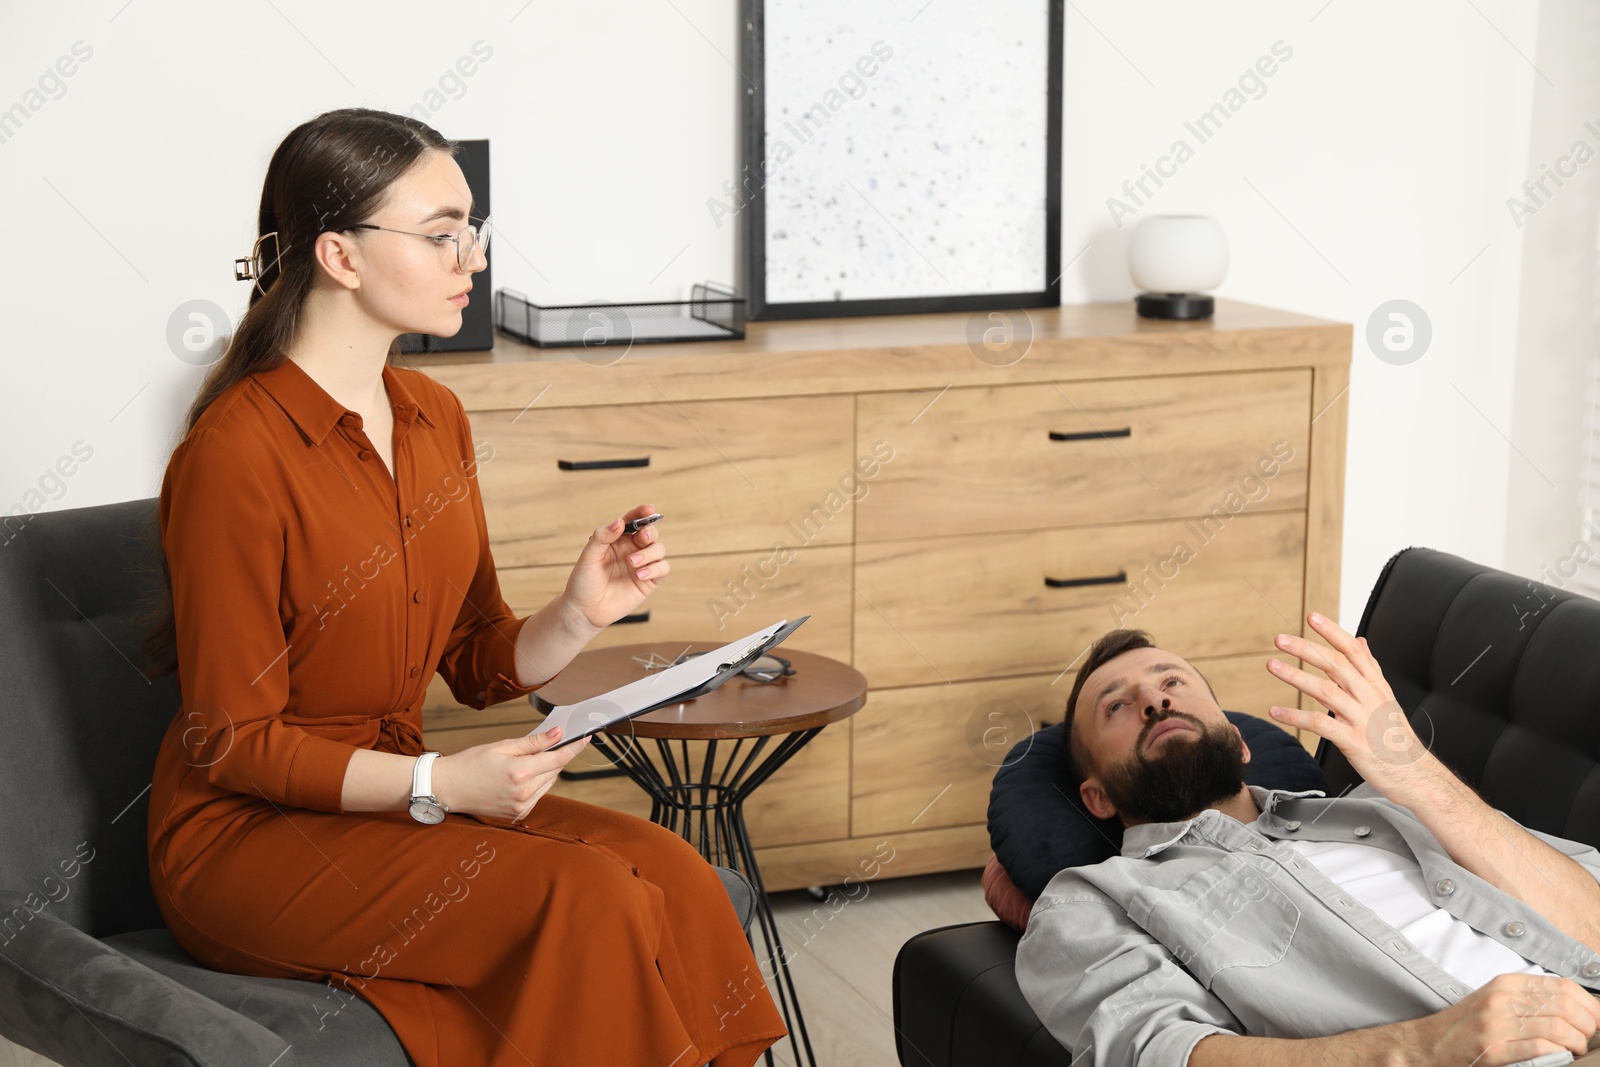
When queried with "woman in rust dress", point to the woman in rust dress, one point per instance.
{"points": [[327, 551]]}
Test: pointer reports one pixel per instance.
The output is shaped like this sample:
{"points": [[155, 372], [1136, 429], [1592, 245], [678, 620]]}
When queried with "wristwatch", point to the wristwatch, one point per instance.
{"points": [[425, 807]]}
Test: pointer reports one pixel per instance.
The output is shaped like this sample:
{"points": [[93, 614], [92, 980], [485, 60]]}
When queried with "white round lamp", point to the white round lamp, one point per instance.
{"points": [[1172, 258]]}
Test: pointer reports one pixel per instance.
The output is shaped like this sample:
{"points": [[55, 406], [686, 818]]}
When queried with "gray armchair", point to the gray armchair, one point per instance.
{"points": [[89, 975]]}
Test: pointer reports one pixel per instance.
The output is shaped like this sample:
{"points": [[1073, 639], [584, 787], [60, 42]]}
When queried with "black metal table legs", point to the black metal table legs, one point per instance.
{"points": [[707, 808]]}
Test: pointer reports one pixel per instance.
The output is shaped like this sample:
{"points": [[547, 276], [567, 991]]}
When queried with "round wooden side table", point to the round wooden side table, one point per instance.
{"points": [[738, 722]]}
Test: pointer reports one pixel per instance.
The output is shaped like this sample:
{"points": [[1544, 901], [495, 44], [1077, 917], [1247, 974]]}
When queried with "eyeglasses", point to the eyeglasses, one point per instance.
{"points": [[765, 668], [467, 241]]}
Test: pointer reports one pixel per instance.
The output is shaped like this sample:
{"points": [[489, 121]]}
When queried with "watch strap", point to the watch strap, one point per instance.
{"points": [[422, 778]]}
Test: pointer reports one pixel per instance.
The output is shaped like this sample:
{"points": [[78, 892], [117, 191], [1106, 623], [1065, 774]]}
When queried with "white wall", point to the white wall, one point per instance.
{"points": [[1556, 329], [1374, 166]]}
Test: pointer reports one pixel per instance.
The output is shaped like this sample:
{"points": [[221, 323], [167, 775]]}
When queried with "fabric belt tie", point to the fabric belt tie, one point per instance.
{"points": [[398, 731]]}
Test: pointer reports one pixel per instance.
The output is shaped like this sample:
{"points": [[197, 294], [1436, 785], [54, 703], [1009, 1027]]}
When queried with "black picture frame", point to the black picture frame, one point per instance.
{"points": [[752, 252]]}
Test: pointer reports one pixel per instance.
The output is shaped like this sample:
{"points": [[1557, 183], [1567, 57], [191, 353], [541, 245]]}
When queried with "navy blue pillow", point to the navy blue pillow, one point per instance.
{"points": [[1038, 826]]}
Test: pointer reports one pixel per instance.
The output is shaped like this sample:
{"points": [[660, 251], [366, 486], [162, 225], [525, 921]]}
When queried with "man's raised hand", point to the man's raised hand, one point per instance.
{"points": [[1367, 723]]}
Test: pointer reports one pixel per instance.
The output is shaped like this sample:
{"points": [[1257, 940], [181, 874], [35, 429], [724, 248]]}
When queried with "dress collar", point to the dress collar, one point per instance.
{"points": [[314, 411]]}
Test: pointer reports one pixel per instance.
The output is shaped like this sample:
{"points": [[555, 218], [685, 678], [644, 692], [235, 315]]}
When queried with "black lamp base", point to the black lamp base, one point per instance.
{"points": [[1175, 305]]}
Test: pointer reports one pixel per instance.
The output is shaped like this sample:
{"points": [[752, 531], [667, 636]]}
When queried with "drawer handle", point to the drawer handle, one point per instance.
{"points": [[1091, 435], [600, 464], [1072, 583], [642, 616]]}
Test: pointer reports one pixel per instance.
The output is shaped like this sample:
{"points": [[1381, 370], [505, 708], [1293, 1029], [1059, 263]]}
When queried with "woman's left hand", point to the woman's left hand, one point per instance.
{"points": [[616, 571]]}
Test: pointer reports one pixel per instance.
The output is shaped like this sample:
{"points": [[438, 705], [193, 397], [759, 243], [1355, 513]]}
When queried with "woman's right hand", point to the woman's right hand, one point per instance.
{"points": [[502, 779]]}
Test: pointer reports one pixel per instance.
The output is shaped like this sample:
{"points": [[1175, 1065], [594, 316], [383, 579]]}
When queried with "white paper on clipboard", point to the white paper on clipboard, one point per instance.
{"points": [[597, 712]]}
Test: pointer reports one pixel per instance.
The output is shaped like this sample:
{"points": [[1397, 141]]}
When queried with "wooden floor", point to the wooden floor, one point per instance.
{"points": [[842, 951]]}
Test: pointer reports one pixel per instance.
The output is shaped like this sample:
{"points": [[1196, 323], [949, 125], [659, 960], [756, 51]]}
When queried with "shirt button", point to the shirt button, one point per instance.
{"points": [[1362, 831], [1514, 929], [415, 671], [1444, 887], [365, 453], [1344, 902], [416, 597], [1590, 970], [1292, 824], [352, 421], [408, 520]]}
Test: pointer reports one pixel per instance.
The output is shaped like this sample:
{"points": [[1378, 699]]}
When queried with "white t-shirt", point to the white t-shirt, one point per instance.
{"points": [[1392, 887]]}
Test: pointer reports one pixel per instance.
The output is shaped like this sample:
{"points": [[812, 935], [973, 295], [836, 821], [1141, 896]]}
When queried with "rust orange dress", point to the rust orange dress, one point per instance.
{"points": [[315, 595]]}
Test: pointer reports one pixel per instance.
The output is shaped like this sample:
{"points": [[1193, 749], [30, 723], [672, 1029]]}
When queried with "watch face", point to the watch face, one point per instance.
{"points": [[423, 811]]}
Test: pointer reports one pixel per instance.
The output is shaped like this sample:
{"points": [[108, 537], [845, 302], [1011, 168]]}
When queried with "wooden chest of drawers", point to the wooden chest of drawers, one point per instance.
{"points": [[958, 531]]}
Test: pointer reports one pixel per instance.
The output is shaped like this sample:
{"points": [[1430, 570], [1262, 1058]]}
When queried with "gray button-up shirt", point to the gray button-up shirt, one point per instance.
{"points": [[1212, 926]]}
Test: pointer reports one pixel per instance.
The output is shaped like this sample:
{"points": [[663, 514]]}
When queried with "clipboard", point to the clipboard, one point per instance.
{"points": [[682, 681]]}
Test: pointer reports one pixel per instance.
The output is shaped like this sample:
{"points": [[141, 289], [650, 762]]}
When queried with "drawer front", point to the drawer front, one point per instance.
{"points": [[925, 756], [727, 474], [961, 608], [807, 799], [704, 598], [979, 460]]}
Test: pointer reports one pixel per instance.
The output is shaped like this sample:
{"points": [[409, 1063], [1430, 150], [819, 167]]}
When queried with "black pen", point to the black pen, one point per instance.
{"points": [[633, 526]]}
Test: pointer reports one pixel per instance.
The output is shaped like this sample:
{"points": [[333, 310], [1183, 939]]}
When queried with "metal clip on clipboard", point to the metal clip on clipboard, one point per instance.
{"points": [[746, 656]]}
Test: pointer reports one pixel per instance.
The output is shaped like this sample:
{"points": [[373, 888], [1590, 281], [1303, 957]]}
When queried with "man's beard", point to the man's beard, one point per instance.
{"points": [[1182, 779]]}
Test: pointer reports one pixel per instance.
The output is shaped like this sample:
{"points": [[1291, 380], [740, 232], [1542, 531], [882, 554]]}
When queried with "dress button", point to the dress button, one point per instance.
{"points": [[1590, 970], [1362, 831], [1514, 929], [415, 671], [416, 597], [350, 420], [1444, 887], [1292, 824], [365, 453]]}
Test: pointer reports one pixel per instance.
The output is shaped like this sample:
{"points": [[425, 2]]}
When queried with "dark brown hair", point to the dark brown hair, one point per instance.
{"points": [[327, 174]]}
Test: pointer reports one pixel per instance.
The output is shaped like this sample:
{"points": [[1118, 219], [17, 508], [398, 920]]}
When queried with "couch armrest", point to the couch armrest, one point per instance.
{"points": [[82, 1003], [957, 1004]]}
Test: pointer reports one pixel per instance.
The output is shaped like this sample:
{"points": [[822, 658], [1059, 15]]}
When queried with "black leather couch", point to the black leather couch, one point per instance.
{"points": [[1499, 675], [89, 976]]}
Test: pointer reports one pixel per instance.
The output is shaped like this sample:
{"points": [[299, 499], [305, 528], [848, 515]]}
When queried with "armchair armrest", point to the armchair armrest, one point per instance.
{"points": [[741, 893], [82, 1003]]}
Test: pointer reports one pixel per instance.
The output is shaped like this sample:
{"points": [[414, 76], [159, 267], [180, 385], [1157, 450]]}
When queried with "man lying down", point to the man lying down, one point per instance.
{"points": [[1406, 922]]}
